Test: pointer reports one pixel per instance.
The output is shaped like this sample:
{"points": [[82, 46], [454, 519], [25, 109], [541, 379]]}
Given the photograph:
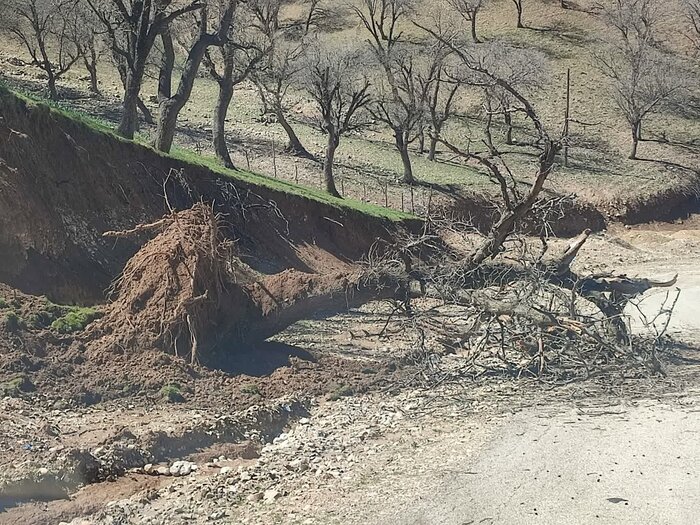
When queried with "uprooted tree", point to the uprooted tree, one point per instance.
{"points": [[509, 304]]}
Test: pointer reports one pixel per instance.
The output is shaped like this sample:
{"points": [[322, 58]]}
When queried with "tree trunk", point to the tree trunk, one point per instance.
{"points": [[519, 7], [53, 92], [91, 66], [147, 115], [433, 147], [635, 143], [487, 126], [421, 141], [294, 145], [331, 147], [219, 128], [475, 38], [508, 119], [129, 119], [402, 146], [170, 107]]}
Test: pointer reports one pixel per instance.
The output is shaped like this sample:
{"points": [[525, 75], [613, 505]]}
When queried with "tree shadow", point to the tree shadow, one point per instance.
{"points": [[670, 164], [258, 359]]}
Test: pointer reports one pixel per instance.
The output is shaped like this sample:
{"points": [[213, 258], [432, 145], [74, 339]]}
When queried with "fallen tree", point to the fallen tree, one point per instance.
{"points": [[509, 304]]}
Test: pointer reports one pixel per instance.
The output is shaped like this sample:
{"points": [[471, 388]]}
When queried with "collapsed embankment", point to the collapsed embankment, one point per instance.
{"points": [[63, 183]]}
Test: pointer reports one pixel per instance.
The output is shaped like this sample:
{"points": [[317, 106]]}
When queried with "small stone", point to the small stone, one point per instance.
{"points": [[225, 470], [43, 471], [163, 471], [304, 421], [271, 495], [148, 468], [255, 497]]}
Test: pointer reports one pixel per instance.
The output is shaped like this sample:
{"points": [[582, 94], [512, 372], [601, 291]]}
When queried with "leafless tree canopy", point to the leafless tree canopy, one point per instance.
{"points": [[335, 77], [49, 30], [642, 76]]}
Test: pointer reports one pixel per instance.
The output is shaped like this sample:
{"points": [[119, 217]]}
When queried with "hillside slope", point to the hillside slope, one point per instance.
{"points": [[64, 183]]}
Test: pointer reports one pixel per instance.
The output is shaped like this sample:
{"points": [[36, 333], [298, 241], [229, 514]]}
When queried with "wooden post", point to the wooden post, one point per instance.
{"points": [[402, 209], [342, 186], [386, 194], [413, 207], [566, 117], [296, 173], [274, 158], [247, 159]]}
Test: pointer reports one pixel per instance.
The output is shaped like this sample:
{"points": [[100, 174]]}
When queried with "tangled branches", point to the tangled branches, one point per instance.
{"points": [[525, 313]]}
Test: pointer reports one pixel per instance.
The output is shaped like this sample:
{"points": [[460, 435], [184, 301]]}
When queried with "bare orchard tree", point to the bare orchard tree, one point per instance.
{"points": [[524, 70], [170, 104], [482, 67], [642, 77], [335, 77], [278, 72], [279, 69], [88, 41], [468, 10], [46, 29], [399, 98], [324, 16], [132, 28], [441, 91], [229, 65]]}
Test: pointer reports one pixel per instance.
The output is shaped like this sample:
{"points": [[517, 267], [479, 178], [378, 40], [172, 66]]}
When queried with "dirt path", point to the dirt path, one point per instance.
{"points": [[554, 464]]}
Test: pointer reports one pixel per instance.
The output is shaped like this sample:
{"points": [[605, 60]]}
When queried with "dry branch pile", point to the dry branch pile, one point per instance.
{"points": [[522, 313]]}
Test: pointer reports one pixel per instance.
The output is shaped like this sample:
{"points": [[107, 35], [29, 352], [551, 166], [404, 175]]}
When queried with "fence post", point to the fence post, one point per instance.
{"points": [[247, 160], [274, 157], [386, 194], [296, 173], [413, 206]]}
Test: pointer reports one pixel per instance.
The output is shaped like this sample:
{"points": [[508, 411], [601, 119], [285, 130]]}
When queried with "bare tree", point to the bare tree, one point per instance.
{"points": [[692, 12], [642, 77], [335, 77], [468, 10], [400, 99], [132, 27], [279, 69], [441, 90], [229, 65], [46, 29], [87, 41], [170, 104], [483, 68], [324, 16]]}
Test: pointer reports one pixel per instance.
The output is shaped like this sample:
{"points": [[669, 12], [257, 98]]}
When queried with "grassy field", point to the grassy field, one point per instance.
{"points": [[368, 165]]}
